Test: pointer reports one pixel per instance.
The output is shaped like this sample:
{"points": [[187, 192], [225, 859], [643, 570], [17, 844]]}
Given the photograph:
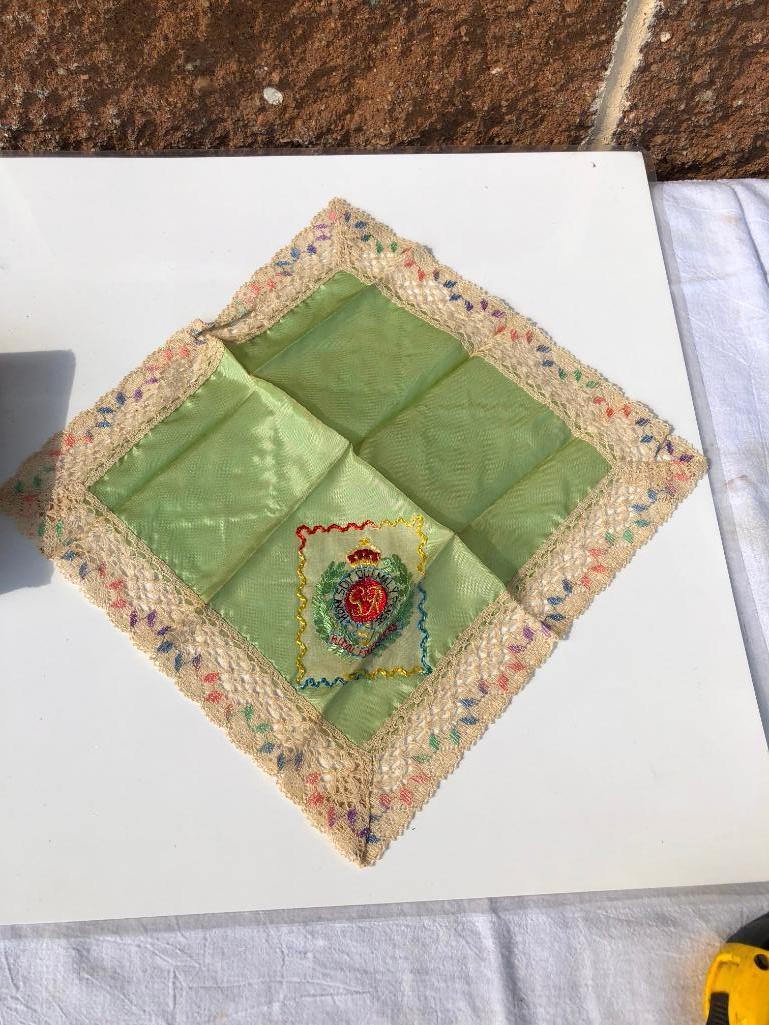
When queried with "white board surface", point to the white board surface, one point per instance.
{"points": [[634, 759]]}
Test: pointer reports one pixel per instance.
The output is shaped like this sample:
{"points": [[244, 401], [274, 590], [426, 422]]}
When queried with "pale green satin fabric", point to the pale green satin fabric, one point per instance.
{"points": [[349, 408]]}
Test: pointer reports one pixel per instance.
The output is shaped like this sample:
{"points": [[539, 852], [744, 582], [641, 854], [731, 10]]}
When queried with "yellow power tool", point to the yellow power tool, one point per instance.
{"points": [[737, 986]]}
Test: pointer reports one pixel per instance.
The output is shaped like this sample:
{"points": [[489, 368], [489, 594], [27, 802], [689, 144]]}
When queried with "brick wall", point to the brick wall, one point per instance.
{"points": [[687, 80]]}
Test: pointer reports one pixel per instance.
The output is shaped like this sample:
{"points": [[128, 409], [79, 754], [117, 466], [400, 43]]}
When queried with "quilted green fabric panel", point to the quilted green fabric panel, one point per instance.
{"points": [[351, 411]]}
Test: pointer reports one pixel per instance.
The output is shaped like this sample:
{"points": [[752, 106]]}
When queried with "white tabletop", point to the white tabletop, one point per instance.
{"points": [[604, 773]]}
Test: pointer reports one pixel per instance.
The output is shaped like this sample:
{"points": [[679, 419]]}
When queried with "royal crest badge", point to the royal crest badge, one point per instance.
{"points": [[361, 603]]}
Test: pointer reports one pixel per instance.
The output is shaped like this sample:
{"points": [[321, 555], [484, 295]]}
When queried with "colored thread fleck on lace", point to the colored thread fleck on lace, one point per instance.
{"points": [[628, 536]]}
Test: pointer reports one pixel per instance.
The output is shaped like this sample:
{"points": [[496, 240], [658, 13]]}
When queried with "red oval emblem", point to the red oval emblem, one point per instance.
{"points": [[365, 600]]}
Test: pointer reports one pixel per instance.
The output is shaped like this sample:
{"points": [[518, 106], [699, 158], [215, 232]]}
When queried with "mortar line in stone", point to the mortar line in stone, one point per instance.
{"points": [[611, 99]]}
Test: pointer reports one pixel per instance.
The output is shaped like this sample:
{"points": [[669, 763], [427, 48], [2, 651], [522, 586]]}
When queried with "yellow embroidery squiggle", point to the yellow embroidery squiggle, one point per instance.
{"points": [[302, 605], [416, 523]]}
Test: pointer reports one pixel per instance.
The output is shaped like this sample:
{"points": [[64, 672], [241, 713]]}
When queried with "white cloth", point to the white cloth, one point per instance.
{"points": [[624, 959], [716, 241]]}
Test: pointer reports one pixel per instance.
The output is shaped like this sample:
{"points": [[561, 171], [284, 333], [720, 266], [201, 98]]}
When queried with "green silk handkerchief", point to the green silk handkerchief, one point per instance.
{"points": [[352, 514]]}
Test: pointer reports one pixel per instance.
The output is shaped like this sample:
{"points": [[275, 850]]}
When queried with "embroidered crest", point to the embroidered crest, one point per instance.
{"points": [[365, 599], [361, 605]]}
